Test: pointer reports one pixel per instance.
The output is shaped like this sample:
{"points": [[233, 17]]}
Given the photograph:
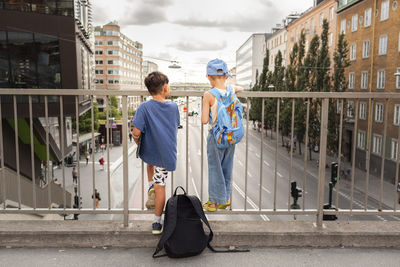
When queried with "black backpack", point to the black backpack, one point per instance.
{"points": [[183, 234]]}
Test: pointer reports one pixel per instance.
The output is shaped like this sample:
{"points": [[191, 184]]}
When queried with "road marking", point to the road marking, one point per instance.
{"points": [[257, 155], [266, 163], [195, 188], [248, 173], [199, 152], [264, 217], [280, 175], [190, 169], [265, 189], [240, 163]]}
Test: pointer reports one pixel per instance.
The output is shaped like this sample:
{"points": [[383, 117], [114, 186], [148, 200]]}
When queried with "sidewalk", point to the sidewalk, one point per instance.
{"points": [[142, 257], [389, 193]]}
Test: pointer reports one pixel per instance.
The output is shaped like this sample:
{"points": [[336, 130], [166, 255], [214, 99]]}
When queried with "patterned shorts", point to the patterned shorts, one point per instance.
{"points": [[160, 174]]}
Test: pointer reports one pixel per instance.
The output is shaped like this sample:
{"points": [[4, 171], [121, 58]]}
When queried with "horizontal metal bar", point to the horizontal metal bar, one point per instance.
{"points": [[362, 212], [62, 211], [269, 94]]}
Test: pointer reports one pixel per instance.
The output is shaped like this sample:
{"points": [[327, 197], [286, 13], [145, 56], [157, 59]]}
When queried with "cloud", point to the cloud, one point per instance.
{"points": [[100, 16], [263, 14], [146, 13], [196, 46]]}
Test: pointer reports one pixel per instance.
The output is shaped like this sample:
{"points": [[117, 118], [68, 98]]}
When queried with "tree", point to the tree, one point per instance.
{"points": [[277, 80], [85, 120], [300, 110], [255, 110], [341, 62], [310, 63]]}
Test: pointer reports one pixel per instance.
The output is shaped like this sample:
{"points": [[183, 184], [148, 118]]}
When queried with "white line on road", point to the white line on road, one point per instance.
{"points": [[280, 175], [190, 169], [250, 175], [266, 163], [240, 163], [265, 189], [257, 155], [264, 217]]}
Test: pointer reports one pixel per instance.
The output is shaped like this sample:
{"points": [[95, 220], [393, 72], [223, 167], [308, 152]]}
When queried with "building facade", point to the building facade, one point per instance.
{"points": [[249, 60], [149, 67], [371, 28], [311, 23], [44, 44], [119, 62]]}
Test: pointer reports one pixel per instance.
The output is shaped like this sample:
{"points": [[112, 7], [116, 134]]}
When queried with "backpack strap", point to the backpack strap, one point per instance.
{"points": [[167, 232], [199, 210], [215, 92]]}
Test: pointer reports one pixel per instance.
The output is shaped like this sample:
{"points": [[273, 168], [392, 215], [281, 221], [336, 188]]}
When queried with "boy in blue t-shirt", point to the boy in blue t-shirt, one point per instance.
{"points": [[155, 127]]}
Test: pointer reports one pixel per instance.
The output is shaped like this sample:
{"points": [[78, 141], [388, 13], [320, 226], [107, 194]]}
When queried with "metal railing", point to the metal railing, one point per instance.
{"points": [[320, 101]]}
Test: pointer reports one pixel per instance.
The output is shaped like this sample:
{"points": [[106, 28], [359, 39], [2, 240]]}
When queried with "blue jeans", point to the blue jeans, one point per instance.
{"points": [[220, 165]]}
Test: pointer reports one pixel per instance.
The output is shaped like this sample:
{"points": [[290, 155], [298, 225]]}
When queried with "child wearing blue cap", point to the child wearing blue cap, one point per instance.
{"points": [[155, 127], [220, 160]]}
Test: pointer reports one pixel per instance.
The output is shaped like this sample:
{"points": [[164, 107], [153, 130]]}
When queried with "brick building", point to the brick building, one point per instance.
{"points": [[311, 22], [371, 28], [119, 62]]}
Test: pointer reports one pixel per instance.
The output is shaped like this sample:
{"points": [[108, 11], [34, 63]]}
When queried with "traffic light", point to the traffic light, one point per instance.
{"points": [[296, 193], [334, 173]]}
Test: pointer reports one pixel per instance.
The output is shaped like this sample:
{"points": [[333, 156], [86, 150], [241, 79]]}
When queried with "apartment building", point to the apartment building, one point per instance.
{"points": [[277, 41], [249, 59], [371, 28], [119, 62], [311, 22], [149, 67]]}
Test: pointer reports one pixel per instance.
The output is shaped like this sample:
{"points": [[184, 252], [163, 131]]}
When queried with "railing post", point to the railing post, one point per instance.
{"points": [[322, 160], [125, 158]]}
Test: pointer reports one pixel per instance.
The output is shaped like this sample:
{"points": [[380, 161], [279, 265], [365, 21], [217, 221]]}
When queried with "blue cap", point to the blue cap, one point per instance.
{"points": [[217, 64]]}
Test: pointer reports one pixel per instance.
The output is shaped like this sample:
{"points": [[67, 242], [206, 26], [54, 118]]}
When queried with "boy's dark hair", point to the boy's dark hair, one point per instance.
{"points": [[155, 82]]}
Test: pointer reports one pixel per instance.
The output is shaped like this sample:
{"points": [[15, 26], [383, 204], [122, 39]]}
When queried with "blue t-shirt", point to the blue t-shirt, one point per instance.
{"points": [[158, 122]]}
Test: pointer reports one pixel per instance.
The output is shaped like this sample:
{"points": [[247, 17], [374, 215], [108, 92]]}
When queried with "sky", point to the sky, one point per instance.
{"points": [[193, 32]]}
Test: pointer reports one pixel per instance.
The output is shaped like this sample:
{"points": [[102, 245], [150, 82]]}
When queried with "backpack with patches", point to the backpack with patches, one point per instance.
{"points": [[229, 128], [183, 234]]}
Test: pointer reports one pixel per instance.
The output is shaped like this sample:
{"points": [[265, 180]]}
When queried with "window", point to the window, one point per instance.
{"points": [[98, 42], [396, 115], [351, 80], [381, 79], [99, 62], [113, 72], [353, 50], [321, 19], [394, 150], [350, 109], [331, 12], [343, 26], [99, 81], [364, 80], [385, 10], [361, 139], [366, 46], [367, 17], [99, 71], [383, 44], [330, 39], [379, 112], [99, 52], [363, 110], [398, 79], [354, 22], [377, 144]]}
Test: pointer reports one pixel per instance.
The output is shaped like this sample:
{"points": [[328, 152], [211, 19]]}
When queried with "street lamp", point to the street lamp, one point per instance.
{"points": [[174, 65], [271, 87]]}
